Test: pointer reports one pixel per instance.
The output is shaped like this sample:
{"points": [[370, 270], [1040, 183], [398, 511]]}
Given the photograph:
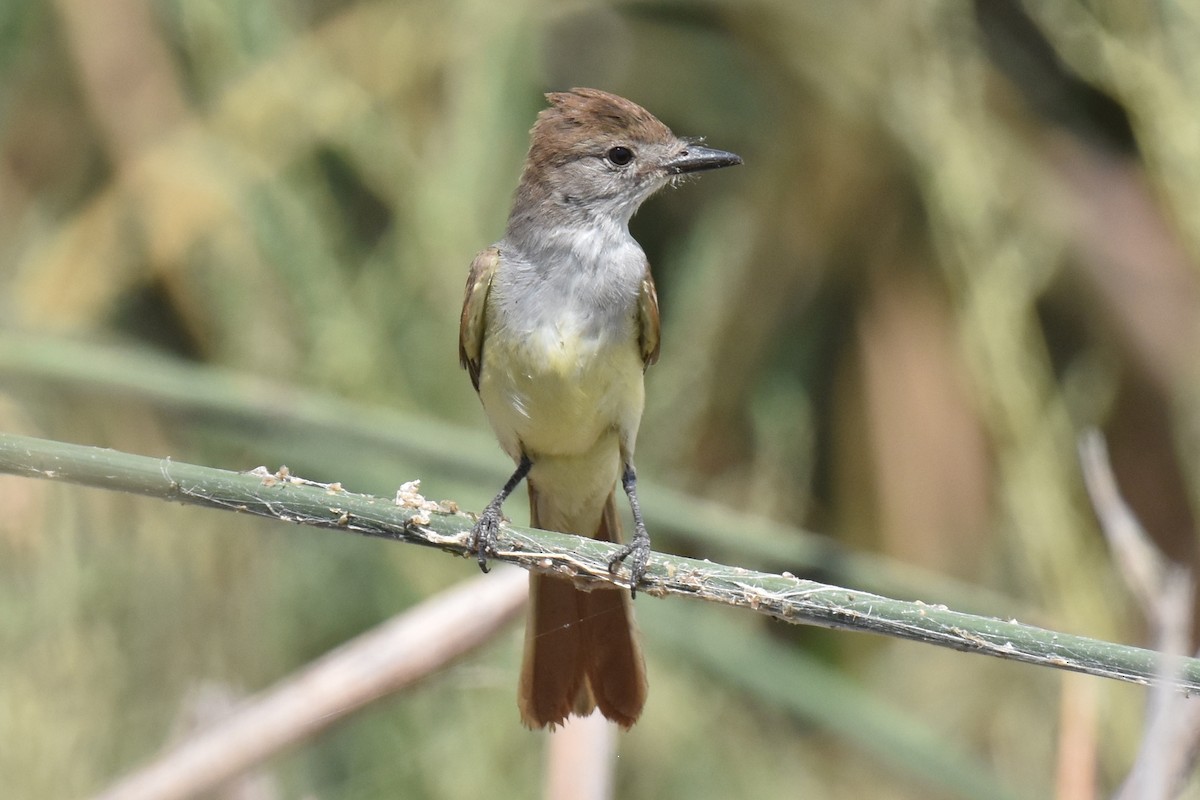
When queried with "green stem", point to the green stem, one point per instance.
{"points": [[783, 596]]}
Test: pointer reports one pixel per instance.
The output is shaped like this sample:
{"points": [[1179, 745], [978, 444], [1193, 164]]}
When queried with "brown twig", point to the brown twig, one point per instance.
{"points": [[1171, 740], [379, 662]]}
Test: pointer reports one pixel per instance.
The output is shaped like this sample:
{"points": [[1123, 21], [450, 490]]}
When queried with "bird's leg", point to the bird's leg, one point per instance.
{"points": [[638, 549], [487, 527]]}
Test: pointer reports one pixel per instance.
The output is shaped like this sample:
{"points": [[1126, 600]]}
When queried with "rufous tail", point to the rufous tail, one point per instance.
{"points": [[581, 648]]}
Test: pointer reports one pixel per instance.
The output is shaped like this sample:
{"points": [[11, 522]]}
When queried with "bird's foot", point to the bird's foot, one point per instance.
{"points": [[637, 554], [485, 533]]}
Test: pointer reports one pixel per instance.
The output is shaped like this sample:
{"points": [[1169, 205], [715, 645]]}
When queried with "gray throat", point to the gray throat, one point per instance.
{"points": [[587, 275]]}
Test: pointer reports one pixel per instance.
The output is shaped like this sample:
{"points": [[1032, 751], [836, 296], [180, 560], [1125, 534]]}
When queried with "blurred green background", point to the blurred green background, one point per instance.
{"points": [[237, 234]]}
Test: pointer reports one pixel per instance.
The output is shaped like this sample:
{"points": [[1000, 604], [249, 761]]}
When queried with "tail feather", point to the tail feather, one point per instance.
{"points": [[581, 648]]}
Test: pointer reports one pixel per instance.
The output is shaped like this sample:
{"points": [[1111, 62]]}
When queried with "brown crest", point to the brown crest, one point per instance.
{"points": [[579, 120]]}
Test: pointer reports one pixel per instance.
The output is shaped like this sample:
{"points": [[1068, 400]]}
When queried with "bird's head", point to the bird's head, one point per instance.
{"points": [[594, 153]]}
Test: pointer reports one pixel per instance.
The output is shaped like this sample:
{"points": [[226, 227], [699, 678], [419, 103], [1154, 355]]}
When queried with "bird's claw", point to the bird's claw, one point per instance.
{"points": [[484, 535], [637, 553]]}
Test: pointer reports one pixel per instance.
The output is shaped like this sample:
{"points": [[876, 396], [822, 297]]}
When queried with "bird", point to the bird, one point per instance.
{"points": [[560, 320]]}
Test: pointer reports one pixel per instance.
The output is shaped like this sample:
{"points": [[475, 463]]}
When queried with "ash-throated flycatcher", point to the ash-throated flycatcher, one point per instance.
{"points": [[559, 322]]}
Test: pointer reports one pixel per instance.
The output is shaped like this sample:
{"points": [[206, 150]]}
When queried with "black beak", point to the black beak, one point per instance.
{"points": [[695, 158]]}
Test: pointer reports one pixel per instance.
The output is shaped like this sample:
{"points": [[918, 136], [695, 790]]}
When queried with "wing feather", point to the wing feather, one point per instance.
{"points": [[474, 316], [648, 320]]}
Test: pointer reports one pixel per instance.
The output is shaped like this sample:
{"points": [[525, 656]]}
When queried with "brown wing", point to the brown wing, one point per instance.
{"points": [[648, 320], [470, 325]]}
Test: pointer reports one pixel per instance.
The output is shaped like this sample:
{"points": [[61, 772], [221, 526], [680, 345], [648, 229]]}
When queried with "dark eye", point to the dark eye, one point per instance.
{"points": [[620, 155]]}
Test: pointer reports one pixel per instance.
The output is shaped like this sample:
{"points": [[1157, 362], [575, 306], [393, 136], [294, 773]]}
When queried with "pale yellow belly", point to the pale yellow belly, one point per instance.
{"points": [[558, 397], [573, 407]]}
